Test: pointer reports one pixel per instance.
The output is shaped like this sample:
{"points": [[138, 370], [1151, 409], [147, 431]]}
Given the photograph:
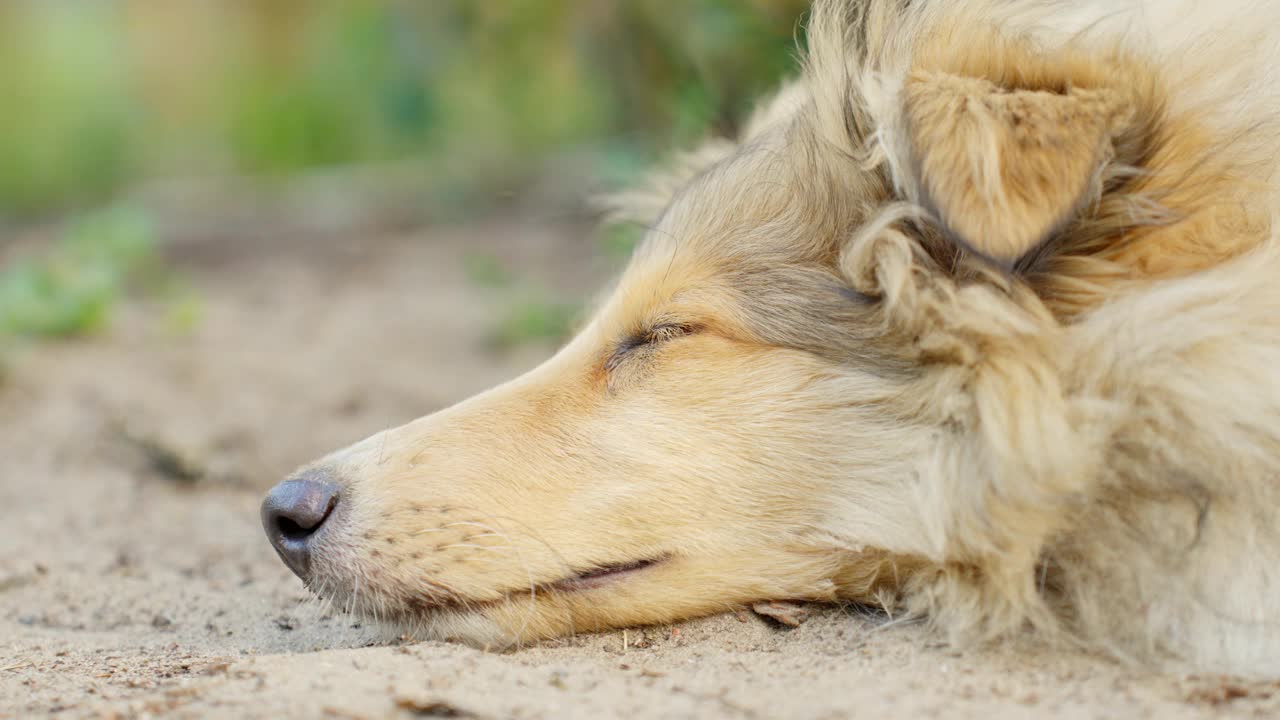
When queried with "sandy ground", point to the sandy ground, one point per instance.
{"points": [[133, 583]]}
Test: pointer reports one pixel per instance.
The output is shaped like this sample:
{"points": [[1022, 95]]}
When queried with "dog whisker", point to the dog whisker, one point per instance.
{"points": [[475, 546]]}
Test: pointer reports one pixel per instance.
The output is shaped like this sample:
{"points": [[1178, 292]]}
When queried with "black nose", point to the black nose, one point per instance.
{"points": [[292, 513]]}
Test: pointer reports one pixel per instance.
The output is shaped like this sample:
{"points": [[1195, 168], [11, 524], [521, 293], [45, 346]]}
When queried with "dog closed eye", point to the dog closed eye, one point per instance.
{"points": [[654, 335]]}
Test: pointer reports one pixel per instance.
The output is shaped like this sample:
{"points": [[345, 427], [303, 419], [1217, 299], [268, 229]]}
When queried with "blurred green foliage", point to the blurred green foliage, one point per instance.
{"points": [[486, 271], [537, 317], [71, 289], [69, 128], [104, 94], [530, 313]]}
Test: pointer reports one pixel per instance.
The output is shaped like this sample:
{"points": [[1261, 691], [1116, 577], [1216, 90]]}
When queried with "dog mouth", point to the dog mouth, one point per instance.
{"points": [[604, 575], [430, 597]]}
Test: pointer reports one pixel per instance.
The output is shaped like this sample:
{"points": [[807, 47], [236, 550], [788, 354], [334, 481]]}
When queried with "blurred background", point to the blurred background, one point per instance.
{"points": [[131, 127]]}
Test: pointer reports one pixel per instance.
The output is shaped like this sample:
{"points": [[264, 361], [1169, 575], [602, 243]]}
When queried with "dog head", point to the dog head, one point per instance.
{"points": [[837, 347]]}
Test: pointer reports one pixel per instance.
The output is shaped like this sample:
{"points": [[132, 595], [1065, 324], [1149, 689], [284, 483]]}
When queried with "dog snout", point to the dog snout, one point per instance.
{"points": [[293, 513]]}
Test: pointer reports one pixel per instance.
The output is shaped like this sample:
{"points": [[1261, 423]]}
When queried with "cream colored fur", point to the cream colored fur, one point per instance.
{"points": [[978, 320]]}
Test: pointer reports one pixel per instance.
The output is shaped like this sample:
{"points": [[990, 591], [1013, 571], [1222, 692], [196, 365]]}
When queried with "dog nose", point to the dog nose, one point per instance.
{"points": [[292, 513]]}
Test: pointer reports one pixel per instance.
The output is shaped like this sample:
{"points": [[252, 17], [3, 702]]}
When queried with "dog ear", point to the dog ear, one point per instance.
{"points": [[1003, 169]]}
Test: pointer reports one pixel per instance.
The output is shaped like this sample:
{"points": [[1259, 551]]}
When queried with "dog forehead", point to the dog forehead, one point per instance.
{"points": [[768, 203]]}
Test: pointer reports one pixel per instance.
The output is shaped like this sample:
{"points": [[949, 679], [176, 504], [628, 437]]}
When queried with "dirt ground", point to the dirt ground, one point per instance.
{"points": [[135, 579]]}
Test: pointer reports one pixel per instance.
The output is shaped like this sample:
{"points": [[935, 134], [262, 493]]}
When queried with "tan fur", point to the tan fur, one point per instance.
{"points": [[1005, 168], [807, 385]]}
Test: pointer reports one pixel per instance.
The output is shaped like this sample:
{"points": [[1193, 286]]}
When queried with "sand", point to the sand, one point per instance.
{"points": [[135, 580]]}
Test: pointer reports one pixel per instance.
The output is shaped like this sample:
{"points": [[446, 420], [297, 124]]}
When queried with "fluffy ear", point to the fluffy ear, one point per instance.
{"points": [[1004, 169]]}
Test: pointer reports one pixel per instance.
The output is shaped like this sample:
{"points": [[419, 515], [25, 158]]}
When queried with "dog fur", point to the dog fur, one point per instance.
{"points": [[978, 319]]}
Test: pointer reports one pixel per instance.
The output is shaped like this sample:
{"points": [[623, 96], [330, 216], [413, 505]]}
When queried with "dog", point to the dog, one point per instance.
{"points": [[977, 319]]}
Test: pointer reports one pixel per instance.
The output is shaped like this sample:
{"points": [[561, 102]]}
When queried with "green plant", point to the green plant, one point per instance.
{"points": [[484, 270], [536, 318], [73, 288], [529, 314]]}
